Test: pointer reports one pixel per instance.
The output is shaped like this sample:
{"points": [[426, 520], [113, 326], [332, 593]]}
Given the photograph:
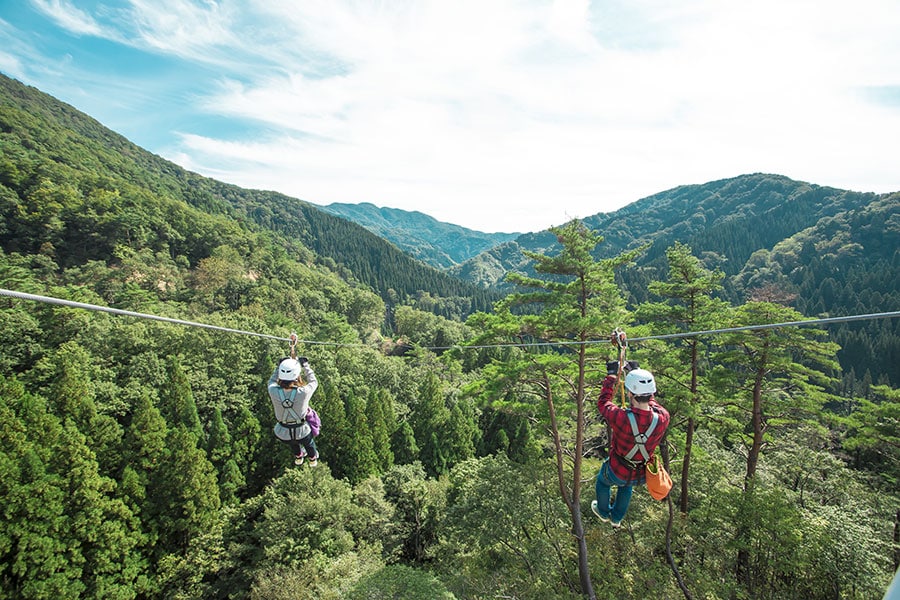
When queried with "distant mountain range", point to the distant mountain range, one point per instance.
{"points": [[835, 252], [727, 220], [441, 245]]}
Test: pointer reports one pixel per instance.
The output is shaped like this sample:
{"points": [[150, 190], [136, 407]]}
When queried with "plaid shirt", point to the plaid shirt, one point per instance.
{"points": [[622, 436]]}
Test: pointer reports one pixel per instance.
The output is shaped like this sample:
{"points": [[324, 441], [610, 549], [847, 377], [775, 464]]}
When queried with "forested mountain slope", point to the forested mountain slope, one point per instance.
{"points": [[438, 244], [848, 264], [33, 122], [731, 218], [836, 251]]}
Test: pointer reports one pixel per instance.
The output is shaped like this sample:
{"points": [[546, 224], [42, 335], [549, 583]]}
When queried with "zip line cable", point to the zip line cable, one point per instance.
{"points": [[828, 320], [128, 313]]}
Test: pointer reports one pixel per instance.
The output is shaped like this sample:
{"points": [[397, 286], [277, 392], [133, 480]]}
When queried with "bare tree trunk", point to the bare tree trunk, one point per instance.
{"points": [[743, 558], [758, 428], [681, 584], [689, 437], [571, 500], [686, 466], [897, 541]]}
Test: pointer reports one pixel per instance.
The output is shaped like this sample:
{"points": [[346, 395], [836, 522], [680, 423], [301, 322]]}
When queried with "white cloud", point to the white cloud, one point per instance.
{"points": [[518, 114], [69, 17], [10, 51], [202, 32]]}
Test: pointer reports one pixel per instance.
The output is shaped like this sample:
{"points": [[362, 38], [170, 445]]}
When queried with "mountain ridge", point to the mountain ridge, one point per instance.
{"points": [[71, 140], [434, 242]]}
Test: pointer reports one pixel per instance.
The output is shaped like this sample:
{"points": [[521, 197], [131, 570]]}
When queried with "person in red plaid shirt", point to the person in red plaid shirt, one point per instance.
{"points": [[636, 432]]}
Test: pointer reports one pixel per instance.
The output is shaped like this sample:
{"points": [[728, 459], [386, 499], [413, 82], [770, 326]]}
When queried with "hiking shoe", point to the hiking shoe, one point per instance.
{"points": [[314, 462], [594, 509], [298, 460]]}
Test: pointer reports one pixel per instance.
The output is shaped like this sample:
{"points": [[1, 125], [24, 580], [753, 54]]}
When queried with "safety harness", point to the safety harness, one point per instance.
{"points": [[290, 420], [640, 439]]}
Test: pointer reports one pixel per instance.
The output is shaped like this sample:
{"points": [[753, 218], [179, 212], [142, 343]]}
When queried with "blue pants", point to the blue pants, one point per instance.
{"points": [[605, 480]]}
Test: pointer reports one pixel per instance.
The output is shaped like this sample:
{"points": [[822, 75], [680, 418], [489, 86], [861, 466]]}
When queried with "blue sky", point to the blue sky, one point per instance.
{"points": [[496, 115]]}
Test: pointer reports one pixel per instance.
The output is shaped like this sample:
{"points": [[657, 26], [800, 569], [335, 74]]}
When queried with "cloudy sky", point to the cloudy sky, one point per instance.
{"points": [[497, 115]]}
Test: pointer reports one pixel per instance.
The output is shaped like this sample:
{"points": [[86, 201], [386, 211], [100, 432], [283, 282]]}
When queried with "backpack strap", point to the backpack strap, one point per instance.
{"points": [[640, 438]]}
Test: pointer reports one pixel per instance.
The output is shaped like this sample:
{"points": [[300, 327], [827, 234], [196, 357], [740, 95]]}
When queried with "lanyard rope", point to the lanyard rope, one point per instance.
{"points": [[620, 340], [690, 334]]}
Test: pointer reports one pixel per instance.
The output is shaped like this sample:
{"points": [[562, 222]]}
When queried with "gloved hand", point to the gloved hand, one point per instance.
{"points": [[304, 362], [612, 366]]}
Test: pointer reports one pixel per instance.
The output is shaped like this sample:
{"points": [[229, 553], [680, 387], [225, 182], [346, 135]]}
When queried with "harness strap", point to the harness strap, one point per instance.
{"points": [[640, 438], [291, 420]]}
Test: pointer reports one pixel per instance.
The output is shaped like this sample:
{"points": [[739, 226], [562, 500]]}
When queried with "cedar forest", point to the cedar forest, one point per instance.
{"points": [[137, 458]]}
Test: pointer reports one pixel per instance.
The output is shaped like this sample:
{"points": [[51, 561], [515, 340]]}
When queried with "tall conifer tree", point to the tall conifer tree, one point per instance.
{"points": [[403, 445], [177, 400], [688, 305], [574, 299], [359, 458], [780, 377], [381, 433]]}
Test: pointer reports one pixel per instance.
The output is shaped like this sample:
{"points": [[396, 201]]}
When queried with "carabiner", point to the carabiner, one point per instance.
{"points": [[619, 338]]}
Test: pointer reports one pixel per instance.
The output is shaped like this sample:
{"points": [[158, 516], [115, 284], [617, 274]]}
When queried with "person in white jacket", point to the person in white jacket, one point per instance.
{"points": [[290, 399]]}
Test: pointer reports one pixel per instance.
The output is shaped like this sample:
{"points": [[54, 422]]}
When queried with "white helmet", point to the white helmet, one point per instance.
{"points": [[289, 370], [640, 382]]}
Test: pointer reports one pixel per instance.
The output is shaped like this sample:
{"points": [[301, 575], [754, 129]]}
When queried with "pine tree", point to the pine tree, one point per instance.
{"points": [[143, 456], [36, 563], [403, 445], [335, 440], [176, 400], [246, 433], [359, 458], [434, 455], [101, 528], [219, 451], [522, 446], [218, 440], [575, 301], [184, 491], [688, 306], [72, 393], [779, 377], [231, 482], [430, 416], [459, 436], [381, 433]]}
